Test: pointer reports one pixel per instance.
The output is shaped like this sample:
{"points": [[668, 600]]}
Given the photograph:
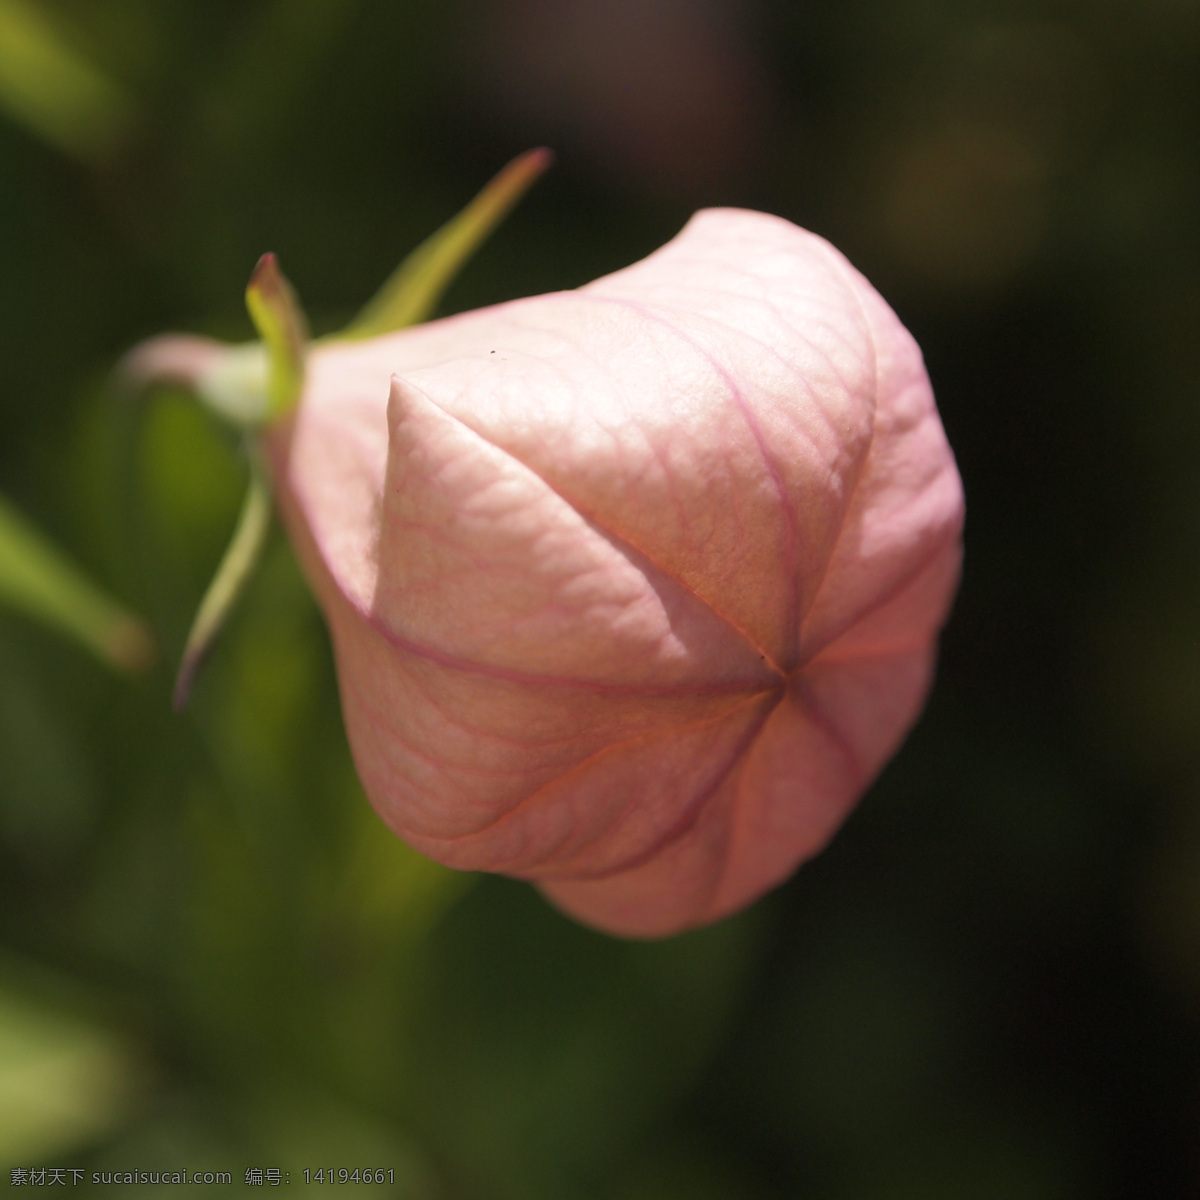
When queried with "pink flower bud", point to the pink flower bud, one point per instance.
{"points": [[633, 589]]}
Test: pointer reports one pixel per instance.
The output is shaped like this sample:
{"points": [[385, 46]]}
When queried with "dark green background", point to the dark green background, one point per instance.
{"points": [[989, 986]]}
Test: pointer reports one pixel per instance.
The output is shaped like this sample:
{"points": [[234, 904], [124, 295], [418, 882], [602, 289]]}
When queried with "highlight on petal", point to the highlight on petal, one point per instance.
{"points": [[412, 291], [633, 589], [36, 578]]}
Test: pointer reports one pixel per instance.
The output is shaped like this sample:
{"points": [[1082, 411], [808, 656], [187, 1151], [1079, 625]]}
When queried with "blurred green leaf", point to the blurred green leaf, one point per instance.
{"points": [[62, 1081], [265, 66], [182, 1126], [968, 1154], [302, 1129], [50, 88], [684, 1170], [388, 886], [545, 1052], [193, 484], [272, 672], [414, 288], [47, 792], [35, 577]]}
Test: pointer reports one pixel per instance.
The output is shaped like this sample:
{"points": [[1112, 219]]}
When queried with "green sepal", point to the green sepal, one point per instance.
{"points": [[280, 322], [228, 584], [36, 578], [414, 288]]}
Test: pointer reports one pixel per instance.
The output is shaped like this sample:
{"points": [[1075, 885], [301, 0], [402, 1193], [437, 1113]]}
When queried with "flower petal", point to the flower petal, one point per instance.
{"points": [[633, 589]]}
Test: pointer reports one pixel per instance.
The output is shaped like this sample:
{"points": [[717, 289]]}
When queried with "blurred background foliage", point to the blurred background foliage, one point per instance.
{"points": [[211, 953]]}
